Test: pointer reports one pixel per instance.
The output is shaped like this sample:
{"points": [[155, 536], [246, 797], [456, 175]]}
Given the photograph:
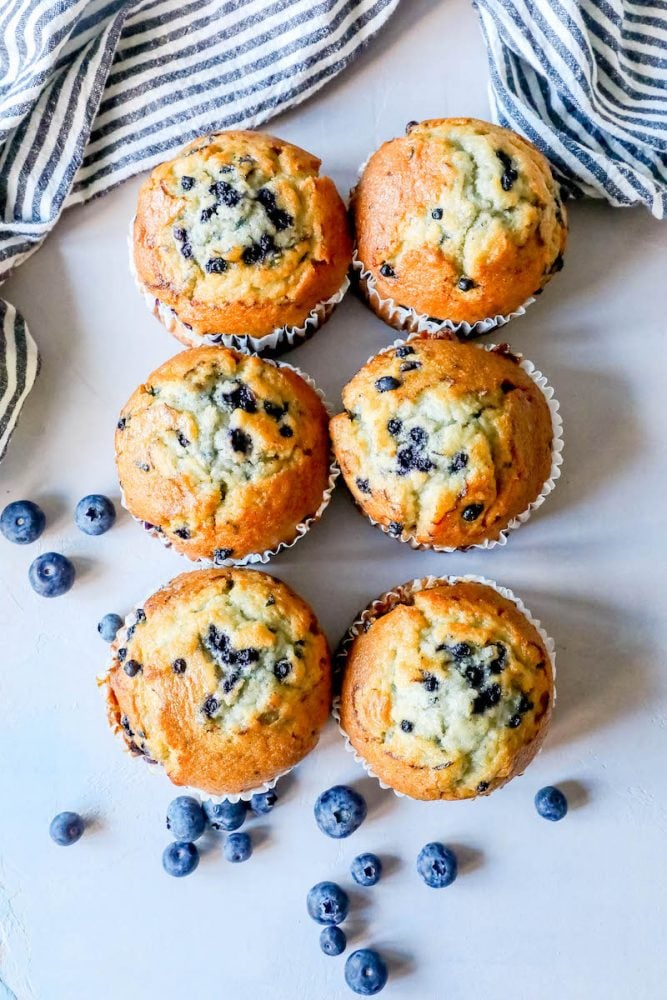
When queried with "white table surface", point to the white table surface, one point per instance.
{"points": [[563, 911]]}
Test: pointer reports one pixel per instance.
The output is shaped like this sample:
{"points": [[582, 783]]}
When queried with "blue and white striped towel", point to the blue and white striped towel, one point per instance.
{"points": [[93, 91], [586, 81]]}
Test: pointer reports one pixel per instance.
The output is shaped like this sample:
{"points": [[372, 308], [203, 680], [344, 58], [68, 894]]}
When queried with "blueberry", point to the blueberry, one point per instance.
{"points": [[419, 436], [498, 662], [186, 250], [186, 818], [404, 350], [407, 726], [206, 214], [465, 284], [474, 675], [510, 174], [333, 941], [366, 869], [225, 815], [482, 787], [436, 213], [182, 440], [487, 698], [394, 426], [280, 219], [238, 847], [430, 682], [241, 397], [472, 511], [387, 271], [66, 828], [51, 574], [187, 183], [286, 431], [210, 706], [275, 410], [459, 461], [410, 366], [282, 669], [94, 514], [22, 522], [220, 555], [180, 234], [216, 265], [366, 972], [460, 650], [437, 865], [551, 803], [225, 193], [240, 440], [340, 811], [263, 802], [180, 859], [327, 903], [507, 386], [132, 668], [557, 265], [108, 626], [183, 533], [363, 485], [395, 529], [387, 383]]}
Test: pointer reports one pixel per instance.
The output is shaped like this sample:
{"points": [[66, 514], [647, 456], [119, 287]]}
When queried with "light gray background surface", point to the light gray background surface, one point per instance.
{"points": [[556, 911]]}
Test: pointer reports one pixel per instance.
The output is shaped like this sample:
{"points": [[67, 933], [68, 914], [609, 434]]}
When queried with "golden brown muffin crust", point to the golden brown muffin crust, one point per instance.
{"points": [[240, 235], [443, 441], [448, 696], [224, 452], [233, 681], [459, 220]]}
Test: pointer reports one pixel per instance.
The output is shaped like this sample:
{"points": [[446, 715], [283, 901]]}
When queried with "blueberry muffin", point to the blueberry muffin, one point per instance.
{"points": [[458, 220], [223, 677], [239, 235], [223, 453], [443, 442], [448, 694]]}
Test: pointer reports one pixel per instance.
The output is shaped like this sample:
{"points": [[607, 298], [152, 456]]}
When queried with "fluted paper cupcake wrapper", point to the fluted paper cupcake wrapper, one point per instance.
{"points": [[557, 445], [132, 618], [276, 342], [301, 529], [415, 323], [401, 595]]}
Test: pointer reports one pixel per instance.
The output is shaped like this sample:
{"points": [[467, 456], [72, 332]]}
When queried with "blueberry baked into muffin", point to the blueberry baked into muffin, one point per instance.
{"points": [[223, 677], [443, 442], [458, 220], [448, 693], [223, 454], [239, 235]]}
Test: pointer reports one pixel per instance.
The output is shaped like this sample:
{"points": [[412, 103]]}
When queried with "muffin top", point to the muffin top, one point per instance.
{"points": [[448, 695], [223, 677], [223, 452], [443, 442], [239, 234], [459, 220]]}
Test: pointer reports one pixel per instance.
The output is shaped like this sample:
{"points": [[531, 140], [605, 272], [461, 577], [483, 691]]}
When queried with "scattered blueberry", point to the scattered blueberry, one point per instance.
{"points": [[387, 271], [510, 174], [51, 574], [263, 802], [333, 941], [387, 383], [458, 462], [131, 667], [366, 869], [216, 265], [240, 440], [339, 811], [225, 815], [22, 522], [551, 803], [465, 284], [108, 626], [187, 182], [179, 859], [407, 726], [238, 847], [472, 511], [366, 972], [436, 213], [94, 514], [186, 818], [437, 865], [363, 485], [394, 426], [327, 903], [66, 828]]}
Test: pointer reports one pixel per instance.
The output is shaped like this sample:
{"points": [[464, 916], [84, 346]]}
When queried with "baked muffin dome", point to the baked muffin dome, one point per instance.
{"points": [[443, 442], [223, 453], [223, 677], [448, 694], [239, 235], [459, 220]]}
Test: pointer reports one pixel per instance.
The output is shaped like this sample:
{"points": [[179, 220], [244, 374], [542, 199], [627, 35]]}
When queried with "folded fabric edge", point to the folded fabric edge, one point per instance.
{"points": [[19, 367]]}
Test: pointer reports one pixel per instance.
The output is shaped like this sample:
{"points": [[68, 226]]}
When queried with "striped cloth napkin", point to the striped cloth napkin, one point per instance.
{"points": [[93, 91], [586, 82]]}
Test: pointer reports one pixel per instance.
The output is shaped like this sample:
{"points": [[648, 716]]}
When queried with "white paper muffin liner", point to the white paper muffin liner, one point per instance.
{"points": [[557, 445], [156, 767], [414, 323], [301, 529], [401, 595], [278, 340]]}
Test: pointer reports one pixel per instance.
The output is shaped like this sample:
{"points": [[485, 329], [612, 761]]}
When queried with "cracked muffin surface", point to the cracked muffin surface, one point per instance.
{"points": [[459, 219], [223, 678], [448, 694], [443, 442], [240, 235], [223, 453]]}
